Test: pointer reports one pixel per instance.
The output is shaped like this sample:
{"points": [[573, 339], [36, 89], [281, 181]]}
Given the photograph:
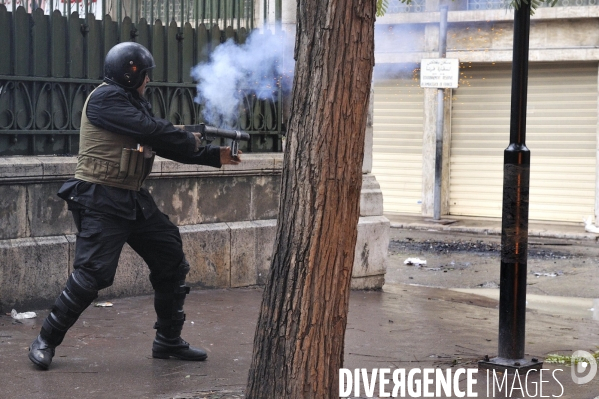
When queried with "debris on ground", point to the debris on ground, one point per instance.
{"points": [[444, 247], [568, 359], [488, 284], [20, 316], [103, 304], [410, 245], [589, 227], [547, 274], [414, 262]]}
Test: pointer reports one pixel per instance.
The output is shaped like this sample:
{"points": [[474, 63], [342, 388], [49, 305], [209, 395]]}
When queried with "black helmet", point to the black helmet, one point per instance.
{"points": [[126, 64]]}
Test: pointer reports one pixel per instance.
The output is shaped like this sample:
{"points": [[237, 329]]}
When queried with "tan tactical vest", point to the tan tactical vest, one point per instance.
{"points": [[109, 158]]}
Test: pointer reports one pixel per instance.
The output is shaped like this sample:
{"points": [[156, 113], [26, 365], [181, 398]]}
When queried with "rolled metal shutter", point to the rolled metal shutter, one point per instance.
{"points": [[397, 143], [561, 135]]}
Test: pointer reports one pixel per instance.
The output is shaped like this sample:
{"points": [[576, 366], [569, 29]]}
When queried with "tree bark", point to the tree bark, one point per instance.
{"points": [[299, 340]]}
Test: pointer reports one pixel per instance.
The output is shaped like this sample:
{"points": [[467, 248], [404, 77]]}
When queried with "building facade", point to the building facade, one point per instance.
{"points": [[561, 113]]}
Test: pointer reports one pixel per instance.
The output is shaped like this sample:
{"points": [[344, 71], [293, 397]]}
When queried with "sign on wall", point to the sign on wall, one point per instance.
{"points": [[442, 73]]}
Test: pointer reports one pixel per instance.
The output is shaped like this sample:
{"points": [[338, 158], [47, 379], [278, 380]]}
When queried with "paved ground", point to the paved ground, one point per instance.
{"points": [[107, 353], [556, 267]]}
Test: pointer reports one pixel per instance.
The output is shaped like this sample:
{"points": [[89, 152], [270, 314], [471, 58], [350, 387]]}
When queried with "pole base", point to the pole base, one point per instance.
{"points": [[510, 365], [440, 221]]}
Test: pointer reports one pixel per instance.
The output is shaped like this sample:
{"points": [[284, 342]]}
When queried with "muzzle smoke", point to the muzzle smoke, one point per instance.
{"points": [[259, 67]]}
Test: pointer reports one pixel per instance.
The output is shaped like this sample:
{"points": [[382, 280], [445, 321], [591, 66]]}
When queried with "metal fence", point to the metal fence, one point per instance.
{"points": [[50, 63], [235, 13], [398, 6]]}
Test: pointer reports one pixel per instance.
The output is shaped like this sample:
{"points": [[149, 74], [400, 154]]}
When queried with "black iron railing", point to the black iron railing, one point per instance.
{"points": [[50, 64]]}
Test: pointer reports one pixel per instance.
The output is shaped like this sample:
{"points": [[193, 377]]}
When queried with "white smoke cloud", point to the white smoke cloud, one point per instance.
{"points": [[265, 61], [259, 66]]}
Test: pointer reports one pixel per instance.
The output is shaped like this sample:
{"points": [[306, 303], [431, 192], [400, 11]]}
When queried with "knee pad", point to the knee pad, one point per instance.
{"points": [[182, 270], [84, 290], [167, 280]]}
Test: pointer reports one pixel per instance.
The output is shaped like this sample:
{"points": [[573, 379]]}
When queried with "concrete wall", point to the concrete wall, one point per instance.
{"points": [[227, 219], [557, 34]]}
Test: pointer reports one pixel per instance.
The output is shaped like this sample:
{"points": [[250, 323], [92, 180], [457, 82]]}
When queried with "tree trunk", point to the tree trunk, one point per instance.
{"points": [[298, 345]]}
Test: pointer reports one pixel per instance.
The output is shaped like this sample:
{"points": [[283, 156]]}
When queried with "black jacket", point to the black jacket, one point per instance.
{"points": [[124, 112]]}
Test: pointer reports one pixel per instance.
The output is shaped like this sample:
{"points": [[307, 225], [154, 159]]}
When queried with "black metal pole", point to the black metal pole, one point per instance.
{"points": [[514, 233], [514, 228]]}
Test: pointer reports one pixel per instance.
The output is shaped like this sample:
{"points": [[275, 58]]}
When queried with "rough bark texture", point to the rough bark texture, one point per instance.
{"points": [[298, 346]]}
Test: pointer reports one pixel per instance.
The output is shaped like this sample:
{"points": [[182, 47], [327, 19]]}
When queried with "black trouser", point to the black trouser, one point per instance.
{"points": [[98, 247], [101, 239]]}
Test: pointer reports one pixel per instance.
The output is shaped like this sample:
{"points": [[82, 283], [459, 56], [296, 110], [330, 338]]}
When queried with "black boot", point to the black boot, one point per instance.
{"points": [[41, 353], [75, 298], [164, 347], [168, 341]]}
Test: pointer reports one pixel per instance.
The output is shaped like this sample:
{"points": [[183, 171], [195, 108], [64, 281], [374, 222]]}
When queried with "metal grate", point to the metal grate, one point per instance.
{"points": [[42, 116], [486, 4], [396, 6], [234, 13]]}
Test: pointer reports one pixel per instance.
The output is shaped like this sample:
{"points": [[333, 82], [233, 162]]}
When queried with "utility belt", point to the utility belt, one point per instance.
{"points": [[130, 172]]}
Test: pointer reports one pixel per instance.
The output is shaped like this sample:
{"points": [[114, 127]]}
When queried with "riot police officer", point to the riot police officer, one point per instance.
{"points": [[119, 139]]}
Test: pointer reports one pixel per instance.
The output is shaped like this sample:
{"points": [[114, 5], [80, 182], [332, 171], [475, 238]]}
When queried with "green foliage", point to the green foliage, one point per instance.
{"points": [[534, 4], [567, 360], [381, 7]]}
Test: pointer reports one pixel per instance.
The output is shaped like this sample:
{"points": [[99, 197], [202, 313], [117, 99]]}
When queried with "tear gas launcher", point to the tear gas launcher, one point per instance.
{"points": [[210, 133]]}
